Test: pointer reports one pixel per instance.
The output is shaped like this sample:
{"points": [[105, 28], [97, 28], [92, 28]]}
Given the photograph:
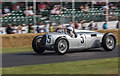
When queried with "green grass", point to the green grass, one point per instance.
{"points": [[96, 66], [15, 50]]}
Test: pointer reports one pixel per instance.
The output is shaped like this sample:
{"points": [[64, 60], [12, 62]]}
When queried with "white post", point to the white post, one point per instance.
{"points": [[107, 13], [61, 10], [61, 3], [92, 8], [26, 4], [34, 8], [73, 7], [26, 7], [92, 4]]}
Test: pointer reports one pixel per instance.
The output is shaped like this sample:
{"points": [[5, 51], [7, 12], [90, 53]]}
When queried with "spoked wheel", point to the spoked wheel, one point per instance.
{"points": [[36, 45], [109, 42], [61, 46]]}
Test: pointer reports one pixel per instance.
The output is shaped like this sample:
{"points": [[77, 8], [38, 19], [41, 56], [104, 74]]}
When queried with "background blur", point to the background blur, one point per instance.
{"points": [[27, 17]]}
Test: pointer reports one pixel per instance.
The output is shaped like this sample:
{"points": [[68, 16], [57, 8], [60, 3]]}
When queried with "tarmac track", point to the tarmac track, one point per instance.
{"points": [[31, 58]]}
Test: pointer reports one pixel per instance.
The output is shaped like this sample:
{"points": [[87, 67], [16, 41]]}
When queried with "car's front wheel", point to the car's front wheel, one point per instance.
{"points": [[109, 42], [61, 46], [36, 45]]}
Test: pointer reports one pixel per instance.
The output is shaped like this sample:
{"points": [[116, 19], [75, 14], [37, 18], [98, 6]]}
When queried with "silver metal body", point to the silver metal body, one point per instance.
{"points": [[85, 39]]}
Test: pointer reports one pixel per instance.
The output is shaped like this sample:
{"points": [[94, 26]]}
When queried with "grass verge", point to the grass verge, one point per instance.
{"points": [[95, 66], [18, 49]]}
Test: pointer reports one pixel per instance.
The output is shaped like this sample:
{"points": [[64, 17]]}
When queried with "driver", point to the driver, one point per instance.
{"points": [[70, 31]]}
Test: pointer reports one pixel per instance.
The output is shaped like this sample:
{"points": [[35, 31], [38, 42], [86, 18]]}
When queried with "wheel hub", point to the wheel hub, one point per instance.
{"points": [[110, 42], [62, 45], [38, 40]]}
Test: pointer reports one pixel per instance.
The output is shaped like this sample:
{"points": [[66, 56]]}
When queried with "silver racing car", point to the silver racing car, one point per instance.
{"points": [[61, 42]]}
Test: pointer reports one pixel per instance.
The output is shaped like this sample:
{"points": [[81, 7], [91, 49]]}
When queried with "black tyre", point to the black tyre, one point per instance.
{"points": [[61, 46], [109, 42], [36, 44]]}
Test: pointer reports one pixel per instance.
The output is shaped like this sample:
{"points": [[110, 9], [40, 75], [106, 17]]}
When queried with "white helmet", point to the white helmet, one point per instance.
{"points": [[69, 29]]}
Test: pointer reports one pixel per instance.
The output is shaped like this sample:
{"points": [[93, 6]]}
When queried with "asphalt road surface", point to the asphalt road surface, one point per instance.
{"points": [[31, 58]]}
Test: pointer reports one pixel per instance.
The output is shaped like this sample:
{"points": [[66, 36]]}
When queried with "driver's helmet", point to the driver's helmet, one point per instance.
{"points": [[70, 29]]}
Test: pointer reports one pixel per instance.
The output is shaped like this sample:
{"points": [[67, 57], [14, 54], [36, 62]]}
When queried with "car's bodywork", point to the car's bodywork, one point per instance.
{"points": [[85, 39]]}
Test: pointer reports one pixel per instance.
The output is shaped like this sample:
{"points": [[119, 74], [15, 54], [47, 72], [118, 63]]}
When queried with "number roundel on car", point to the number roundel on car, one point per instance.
{"points": [[82, 38], [49, 39]]}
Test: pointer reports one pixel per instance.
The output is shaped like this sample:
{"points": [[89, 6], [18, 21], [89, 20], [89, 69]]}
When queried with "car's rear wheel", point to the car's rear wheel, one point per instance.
{"points": [[109, 42], [36, 45], [61, 46]]}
